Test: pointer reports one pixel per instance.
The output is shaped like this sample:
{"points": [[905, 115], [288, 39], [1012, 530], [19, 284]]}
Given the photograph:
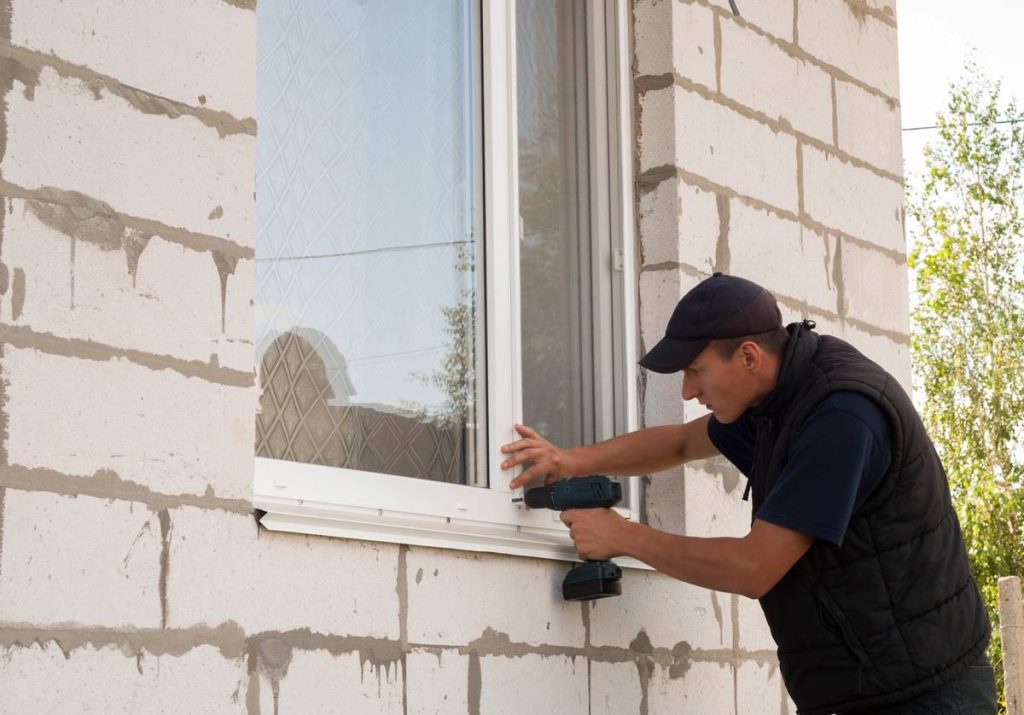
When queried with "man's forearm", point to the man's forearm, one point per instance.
{"points": [[720, 563], [642, 452]]}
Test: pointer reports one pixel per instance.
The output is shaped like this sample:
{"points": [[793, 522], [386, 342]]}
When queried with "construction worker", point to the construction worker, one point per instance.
{"points": [[854, 551]]}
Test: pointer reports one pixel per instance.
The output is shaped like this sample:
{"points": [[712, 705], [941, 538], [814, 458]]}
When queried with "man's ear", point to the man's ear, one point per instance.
{"points": [[751, 355]]}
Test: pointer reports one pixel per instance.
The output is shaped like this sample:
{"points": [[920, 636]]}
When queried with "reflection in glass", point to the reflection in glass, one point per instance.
{"points": [[368, 262], [554, 210]]}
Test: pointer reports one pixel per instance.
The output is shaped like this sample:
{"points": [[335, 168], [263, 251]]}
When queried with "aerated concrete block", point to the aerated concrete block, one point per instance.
{"points": [[222, 569], [158, 428], [80, 560], [42, 678], [455, 596], [187, 51], [837, 33], [74, 137], [761, 75]]}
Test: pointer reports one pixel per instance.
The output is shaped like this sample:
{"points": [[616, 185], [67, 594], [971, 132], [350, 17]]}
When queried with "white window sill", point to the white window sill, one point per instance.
{"points": [[328, 501]]}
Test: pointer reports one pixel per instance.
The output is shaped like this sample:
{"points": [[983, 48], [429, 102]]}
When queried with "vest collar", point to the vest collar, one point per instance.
{"points": [[799, 350]]}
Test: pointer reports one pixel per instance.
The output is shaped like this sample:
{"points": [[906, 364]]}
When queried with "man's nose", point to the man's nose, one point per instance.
{"points": [[689, 390]]}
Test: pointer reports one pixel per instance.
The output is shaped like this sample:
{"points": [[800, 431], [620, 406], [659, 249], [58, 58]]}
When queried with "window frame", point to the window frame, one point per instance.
{"points": [[333, 501]]}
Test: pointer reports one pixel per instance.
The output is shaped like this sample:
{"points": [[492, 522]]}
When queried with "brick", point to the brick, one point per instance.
{"points": [[668, 611], [171, 433], [894, 356], [533, 683], [171, 170], [679, 223], [759, 688], [437, 682], [754, 634], [701, 688], [203, 46], [663, 402], [665, 501], [719, 144], [761, 75], [864, 270], [222, 568], [853, 200], [462, 583], [614, 688], [675, 37], [172, 307], [41, 679], [783, 256], [857, 43], [714, 505], [869, 127], [775, 18], [79, 560], [319, 682]]}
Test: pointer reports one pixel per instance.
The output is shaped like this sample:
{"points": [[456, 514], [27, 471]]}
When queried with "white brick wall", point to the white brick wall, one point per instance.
{"points": [[783, 256], [665, 610], [441, 580], [853, 200], [533, 683], [158, 428], [774, 18], [675, 37], [79, 560], [173, 171], [41, 678], [319, 682], [200, 43], [758, 73], [869, 127], [439, 681], [220, 571], [857, 43], [679, 222], [156, 312], [720, 145]]}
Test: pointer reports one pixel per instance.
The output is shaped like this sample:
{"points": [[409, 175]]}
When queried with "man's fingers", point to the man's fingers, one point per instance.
{"points": [[526, 431]]}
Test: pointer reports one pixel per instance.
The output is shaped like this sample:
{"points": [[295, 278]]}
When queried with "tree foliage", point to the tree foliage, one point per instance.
{"points": [[968, 321]]}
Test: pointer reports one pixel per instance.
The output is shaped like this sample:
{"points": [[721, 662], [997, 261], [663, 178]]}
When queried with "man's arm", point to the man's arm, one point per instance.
{"points": [[750, 566], [642, 452]]}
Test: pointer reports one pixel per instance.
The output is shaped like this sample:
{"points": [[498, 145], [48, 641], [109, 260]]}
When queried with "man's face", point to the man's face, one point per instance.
{"points": [[724, 385]]}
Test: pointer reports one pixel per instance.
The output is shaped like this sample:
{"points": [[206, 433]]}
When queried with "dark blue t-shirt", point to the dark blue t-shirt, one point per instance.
{"points": [[839, 457]]}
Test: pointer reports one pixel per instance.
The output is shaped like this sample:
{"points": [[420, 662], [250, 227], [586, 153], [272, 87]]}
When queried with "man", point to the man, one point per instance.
{"points": [[854, 551]]}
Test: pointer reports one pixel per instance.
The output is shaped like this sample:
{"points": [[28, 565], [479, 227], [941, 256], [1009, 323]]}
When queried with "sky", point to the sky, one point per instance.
{"points": [[935, 39]]}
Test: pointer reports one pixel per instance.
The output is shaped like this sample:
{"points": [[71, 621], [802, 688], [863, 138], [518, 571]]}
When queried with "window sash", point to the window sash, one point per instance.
{"points": [[348, 503]]}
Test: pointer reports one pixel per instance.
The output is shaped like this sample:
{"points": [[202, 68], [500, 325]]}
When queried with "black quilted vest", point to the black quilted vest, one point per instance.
{"points": [[894, 612]]}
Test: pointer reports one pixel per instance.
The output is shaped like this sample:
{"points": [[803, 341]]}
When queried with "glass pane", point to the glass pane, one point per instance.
{"points": [[555, 303], [368, 257]]}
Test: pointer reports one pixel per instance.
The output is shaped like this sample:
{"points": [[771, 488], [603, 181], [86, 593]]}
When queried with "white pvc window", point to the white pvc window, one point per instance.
{"points": [[444, 237]]}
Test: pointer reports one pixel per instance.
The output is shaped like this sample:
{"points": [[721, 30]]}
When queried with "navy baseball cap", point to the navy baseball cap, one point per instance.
{"points": [[717, 308]]}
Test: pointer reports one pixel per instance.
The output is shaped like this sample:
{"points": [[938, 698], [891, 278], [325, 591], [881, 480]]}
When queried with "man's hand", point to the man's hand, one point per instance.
{"points": [[597, 534], [548, 460]]}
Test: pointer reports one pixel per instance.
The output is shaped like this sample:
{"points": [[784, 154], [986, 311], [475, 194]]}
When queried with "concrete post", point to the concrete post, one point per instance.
{"points": [[1011, 618]]}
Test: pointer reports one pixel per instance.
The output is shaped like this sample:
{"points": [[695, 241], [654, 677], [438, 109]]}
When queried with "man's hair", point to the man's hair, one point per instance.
{"points": [[772, 341]]}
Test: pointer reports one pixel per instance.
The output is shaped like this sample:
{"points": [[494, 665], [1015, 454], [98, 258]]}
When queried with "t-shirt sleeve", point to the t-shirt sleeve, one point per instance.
{"points": [[840, 457]]}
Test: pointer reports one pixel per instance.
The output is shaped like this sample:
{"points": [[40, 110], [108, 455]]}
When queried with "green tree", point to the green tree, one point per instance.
{"points": [[968, 322]]}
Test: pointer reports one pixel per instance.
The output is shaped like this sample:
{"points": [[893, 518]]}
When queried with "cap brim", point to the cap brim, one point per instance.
{"points": [[673, 354]]}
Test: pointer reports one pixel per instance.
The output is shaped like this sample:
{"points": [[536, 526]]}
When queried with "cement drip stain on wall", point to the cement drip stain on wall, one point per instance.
{"points": [[83, 218], [225, 267]]}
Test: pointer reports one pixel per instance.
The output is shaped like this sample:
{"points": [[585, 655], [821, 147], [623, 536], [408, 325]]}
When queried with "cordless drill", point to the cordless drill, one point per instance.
{"points": [[589, 580]]}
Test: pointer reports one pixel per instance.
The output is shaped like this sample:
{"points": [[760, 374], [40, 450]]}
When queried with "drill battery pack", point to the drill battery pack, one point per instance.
{"points": [[592, 580]]}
